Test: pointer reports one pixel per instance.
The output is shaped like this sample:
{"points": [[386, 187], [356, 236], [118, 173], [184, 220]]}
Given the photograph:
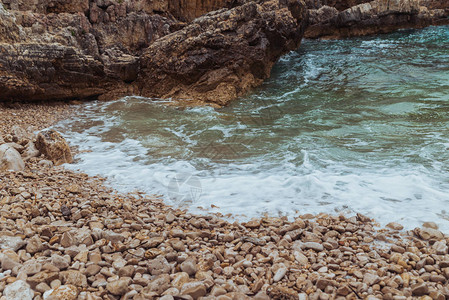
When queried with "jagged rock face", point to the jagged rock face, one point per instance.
{"points": [[187, 10], [67, 56], [223, 54], [378, 16], [119, 48]]}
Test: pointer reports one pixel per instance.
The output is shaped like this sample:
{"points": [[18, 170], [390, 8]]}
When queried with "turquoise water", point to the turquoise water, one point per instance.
{"points": [[357, 125]]}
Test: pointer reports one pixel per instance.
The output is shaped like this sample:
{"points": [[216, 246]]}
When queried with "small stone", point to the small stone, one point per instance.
{"points": [[430, 225], [252, 224], [67, 240], [92, 270], [11, 242], [42, 287], [118, 287], [54, 147], [82, 256], [322, 283], [370, 279], [440, 247], [55, 284], [189, 267], [429, 233], [437, 278], [314, 246], [169, 218], [113, 236], [300, 258], [34, 245], [18, 290], [43, 276], [395, 226], [10, 159], [8, 263], [64, 292], [420, 289], [344, 291], [194, 289], [179, 279], [59, 262], [31, 267], [126, 271], [159, 266], [280, 273], [73, 277], [160, 284]]}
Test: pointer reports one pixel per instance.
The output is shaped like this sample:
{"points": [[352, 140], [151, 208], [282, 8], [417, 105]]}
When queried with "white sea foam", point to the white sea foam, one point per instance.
{"points": [[329, 133], [249, 190]]}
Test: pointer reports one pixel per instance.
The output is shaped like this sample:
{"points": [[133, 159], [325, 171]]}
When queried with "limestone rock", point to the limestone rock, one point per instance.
{"points": [[159, 266], [73, 277], [11, 242], [34, 245], [64, 292], [429, 233], [54, 147], [130, 48], [30, 151], [118, 287], [10, 159], [420, 289], [18, 290], [223, 54], [347, 18]]}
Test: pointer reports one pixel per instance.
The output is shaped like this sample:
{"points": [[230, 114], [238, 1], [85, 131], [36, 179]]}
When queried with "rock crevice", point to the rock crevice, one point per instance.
{"points": [[107, 49]]}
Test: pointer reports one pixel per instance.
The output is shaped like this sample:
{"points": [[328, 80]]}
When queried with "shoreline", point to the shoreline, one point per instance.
{"points": [[79, 239]]}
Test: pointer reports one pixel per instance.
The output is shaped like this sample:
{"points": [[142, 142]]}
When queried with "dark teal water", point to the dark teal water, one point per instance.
{"points": [[357, 125]]}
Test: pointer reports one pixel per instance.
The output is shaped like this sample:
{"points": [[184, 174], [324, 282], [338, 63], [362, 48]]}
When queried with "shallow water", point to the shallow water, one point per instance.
{"points": [[357, 125]]}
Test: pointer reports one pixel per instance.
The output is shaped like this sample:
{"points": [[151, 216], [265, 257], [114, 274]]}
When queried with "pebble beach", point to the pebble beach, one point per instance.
{"points": [[67, 235]]}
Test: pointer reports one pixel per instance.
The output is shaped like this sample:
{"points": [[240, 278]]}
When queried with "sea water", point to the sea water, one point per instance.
{"points": [[354, 125]]}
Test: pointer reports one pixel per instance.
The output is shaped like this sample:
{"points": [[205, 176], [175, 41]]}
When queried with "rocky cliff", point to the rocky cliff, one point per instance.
{"points": [[89, 49], [339, 19], [105, 48]]}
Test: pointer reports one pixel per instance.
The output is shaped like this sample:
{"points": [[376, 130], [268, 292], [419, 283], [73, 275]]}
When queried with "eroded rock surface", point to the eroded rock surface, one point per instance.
{"points": [[340, 19], [54, 147], [105, 49], [223, 54]]}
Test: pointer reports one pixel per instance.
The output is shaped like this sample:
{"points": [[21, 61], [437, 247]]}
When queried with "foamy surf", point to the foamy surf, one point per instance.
{"points": [[335, 130]]}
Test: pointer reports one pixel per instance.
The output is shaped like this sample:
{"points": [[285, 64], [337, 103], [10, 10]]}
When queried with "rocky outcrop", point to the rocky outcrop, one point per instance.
{"points": [[106, 49], [223, 54], [378, 16]]}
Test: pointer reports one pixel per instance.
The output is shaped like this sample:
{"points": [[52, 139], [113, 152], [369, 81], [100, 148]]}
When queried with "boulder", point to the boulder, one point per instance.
{"points": [[223, 54], [10, 158], [54, 147]]}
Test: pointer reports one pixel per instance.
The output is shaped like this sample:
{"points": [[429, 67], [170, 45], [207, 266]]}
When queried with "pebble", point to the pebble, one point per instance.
{"points": [[118, 287], [83, 239], [18, 290], [279, 274]]}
